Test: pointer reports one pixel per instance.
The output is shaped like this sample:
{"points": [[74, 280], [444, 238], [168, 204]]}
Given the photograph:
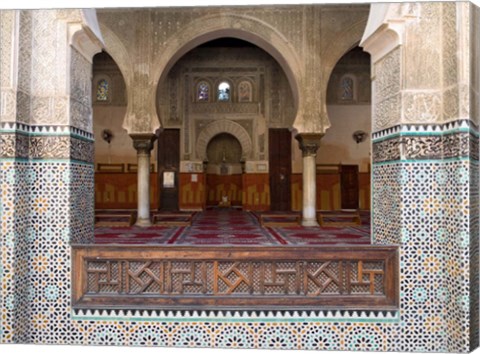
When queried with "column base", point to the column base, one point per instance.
{"points": [[143, 222], [310, 223]]}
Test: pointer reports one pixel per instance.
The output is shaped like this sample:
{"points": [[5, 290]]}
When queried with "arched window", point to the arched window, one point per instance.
{"points": [[102, 90], [223, 91], [346, 89], [203, 91], [245, 91]]}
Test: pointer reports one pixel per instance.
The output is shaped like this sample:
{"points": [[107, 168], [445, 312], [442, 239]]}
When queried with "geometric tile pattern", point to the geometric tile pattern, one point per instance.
{"points": [[47, 203], [430, 208], [239, 316], [15, 246], [474, 254]]}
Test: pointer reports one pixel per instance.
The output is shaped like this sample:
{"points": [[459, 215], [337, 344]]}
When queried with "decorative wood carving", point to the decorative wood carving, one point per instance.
{"points": [[192, 277]]}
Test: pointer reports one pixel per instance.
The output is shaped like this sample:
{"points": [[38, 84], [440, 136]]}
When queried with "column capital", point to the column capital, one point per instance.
{"points": [[143, 143], [309, 143]]}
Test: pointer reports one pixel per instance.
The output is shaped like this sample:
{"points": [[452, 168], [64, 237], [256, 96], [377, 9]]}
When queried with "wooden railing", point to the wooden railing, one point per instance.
{"points": [[163, 277]]}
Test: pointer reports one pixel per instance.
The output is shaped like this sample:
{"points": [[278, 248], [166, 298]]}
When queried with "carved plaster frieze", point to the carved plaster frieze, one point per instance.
{"points": [[387, 113], [449, 44], [426, 147], [80, 78], [451, 104], [8, 105], [422, 107], [387, 75], [7, 31], [80, 91], [309, 143], [228, 108], [82, 150], [49, 110], [49, 147], [47, 60], [23, 107], [464, 99], [475, 105], [386, 101], [422, 62], [38, 147], [24, 52], [13, 146], [80, 115]]}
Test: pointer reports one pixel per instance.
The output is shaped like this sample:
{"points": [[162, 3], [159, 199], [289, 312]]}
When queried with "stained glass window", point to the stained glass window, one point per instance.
{"points": [[203, 91], [102, 90], [245, 92], [223, 92], [347, 88]]}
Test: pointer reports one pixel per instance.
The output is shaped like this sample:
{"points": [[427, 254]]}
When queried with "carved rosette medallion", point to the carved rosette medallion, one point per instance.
{"points": [[309, 143], [143, 143]]}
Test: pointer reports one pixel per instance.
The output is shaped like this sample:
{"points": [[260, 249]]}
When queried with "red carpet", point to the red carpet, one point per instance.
{"points": [[225, 227], [299, 235], [135, 235]]}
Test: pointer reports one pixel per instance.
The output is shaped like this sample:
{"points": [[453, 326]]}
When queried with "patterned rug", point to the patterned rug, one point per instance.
{"points": [[299, 235], [135, 235], [224, 227]]}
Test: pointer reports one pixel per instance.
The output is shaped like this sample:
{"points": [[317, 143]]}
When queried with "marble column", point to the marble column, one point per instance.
{"points": [[309, 143], [143, 143]]}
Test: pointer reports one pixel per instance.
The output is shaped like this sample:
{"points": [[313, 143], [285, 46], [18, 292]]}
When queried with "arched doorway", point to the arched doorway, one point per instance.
{"points": [[115, 158], [346, 146], [224, 171], [227, 85]]}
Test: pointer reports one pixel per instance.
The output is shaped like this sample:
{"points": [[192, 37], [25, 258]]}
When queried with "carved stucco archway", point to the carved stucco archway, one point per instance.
{"points": [[118, 52], [243, 27], [223, 126], [350, 37]]}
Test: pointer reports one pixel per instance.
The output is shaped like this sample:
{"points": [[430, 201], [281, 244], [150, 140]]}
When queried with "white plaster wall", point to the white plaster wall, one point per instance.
{"points": [[338, 145]]}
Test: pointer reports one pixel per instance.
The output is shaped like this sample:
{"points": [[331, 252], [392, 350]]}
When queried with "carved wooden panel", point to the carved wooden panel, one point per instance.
{"points": [[280, 168], [349, 186], [309, 278], [168, 162], [140, 276]]}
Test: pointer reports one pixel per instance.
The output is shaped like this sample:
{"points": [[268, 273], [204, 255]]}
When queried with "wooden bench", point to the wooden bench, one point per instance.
{"points": [[289, 219], [343, 218], [172, 219], [115, 219]]}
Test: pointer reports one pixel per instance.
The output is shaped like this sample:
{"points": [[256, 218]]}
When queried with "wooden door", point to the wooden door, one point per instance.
{"points": [[280, 165], [168, 168], [349, 186]]}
